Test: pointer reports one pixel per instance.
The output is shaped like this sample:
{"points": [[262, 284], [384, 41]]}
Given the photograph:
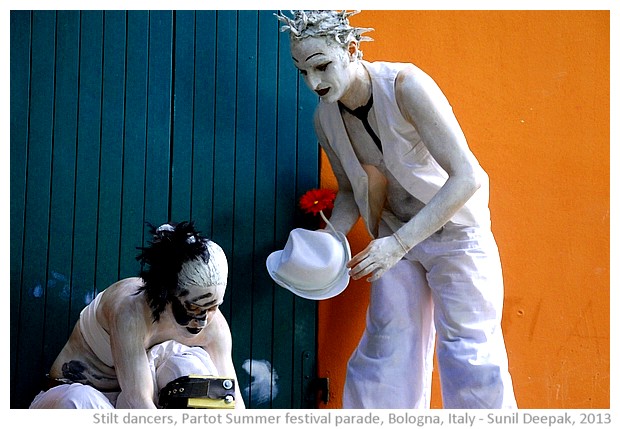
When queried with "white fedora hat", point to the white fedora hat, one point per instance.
{"points": [[312, 265]]}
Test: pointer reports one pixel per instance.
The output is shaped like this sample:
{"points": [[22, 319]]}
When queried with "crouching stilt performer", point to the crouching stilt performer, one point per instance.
{"points": [[403, 164], [144, 334]]}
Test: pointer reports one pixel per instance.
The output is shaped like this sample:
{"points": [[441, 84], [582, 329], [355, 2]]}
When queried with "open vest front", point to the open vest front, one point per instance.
{"points": [[405, 154]]}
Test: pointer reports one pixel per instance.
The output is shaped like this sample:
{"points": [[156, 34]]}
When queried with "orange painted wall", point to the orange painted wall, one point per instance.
{"points": [[531, 91]]}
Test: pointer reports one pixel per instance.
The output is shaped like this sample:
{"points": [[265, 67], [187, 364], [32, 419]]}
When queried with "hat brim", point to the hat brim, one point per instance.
{"points": [[334, 288]]}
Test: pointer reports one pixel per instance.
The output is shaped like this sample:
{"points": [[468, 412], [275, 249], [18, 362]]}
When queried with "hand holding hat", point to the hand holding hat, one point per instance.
{"points": [[312, 264]]}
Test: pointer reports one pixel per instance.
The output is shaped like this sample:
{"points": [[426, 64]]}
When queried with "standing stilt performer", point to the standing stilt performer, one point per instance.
{"points": [[403, 164]]}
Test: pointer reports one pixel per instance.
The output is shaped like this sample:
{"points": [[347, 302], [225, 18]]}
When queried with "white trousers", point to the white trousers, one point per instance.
{"points": [[448, 288], [167, 361]]}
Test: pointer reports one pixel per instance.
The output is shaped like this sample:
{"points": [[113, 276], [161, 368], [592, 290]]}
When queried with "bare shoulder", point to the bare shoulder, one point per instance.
{"points": [[122, 300], [412, 77], [116, 301], [219, 326], [122, 289], [216, 335], [417, 94]]}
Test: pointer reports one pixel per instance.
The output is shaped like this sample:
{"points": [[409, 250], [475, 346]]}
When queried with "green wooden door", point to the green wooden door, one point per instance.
{"points": [[121, 118]]}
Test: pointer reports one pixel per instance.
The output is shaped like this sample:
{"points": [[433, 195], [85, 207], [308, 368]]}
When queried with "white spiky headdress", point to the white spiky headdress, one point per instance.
{"points": [[329, 23]]}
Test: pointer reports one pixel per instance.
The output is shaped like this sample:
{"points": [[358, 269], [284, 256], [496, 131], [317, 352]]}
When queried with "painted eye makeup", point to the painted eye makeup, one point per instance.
{"points": [[323, 67], [180, 313], [184, 313]]}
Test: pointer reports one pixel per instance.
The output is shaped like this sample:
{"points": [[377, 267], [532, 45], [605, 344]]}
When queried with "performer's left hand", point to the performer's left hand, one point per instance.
{"points": [[378, 257]]}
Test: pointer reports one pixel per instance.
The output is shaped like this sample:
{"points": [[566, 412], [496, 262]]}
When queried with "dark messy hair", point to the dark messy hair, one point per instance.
{"points": [[171, 246]]}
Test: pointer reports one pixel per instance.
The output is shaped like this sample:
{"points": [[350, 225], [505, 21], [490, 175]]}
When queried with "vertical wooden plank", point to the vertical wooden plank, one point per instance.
{"points": [[19, 127], [305, 310], [159, 116], [112, 122], [134, 150], [57, 326], [204, 121], [183, 115], [20, 105], [307, 148], [36, 226], [264, 213], [224, 155], [241, 280], [87, 172], [285, 204]]}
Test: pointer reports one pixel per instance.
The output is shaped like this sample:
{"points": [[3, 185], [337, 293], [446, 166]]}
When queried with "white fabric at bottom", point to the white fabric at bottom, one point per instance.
{"points": [[74, 396], [449, 286], [167, 361]]}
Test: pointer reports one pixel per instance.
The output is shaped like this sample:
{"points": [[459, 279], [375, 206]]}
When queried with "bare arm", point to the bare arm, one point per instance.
{"points": [[345, 212], [424, 105], [128, 333], [219, 347]]}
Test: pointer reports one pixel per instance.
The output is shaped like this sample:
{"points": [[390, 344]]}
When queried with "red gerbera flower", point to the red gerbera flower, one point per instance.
{"points": [[316, 200]]}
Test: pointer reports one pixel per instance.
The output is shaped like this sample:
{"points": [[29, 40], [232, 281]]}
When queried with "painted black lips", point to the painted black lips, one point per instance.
{"points": [[322, 92]]}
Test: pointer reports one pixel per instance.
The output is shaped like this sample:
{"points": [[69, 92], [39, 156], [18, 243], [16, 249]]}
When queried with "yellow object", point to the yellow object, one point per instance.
{"points": [[198, 391]]}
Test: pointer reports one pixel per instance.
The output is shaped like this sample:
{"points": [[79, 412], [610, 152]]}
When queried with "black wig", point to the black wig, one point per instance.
{"points": [[172, 245]]}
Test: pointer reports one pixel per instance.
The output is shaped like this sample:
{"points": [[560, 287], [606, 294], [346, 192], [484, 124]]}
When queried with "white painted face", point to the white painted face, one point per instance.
{"points": [[201, 290], [325, 65]]}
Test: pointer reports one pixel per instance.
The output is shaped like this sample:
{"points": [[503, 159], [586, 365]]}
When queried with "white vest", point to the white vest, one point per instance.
{"points": [[404, 153]]}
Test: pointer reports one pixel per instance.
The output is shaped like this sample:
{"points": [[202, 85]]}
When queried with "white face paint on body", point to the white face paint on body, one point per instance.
{"points": [[326, 66]]}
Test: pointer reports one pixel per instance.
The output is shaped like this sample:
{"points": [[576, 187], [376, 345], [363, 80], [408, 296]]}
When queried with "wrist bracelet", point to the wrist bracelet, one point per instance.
{"points": [[397, 237]]}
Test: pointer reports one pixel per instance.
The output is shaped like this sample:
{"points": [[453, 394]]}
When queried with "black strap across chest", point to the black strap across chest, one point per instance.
{"points": [[361, 113]]}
